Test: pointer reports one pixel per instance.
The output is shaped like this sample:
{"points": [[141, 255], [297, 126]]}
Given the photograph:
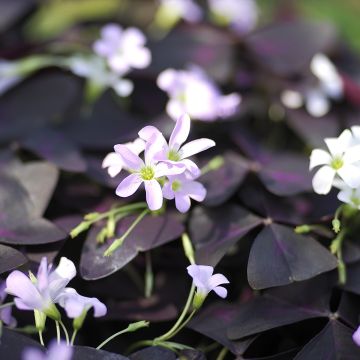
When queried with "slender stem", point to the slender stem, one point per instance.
{"points": [[137, 345], [168, 334], [65, 332], [126, 208], [222, 354], [149, 276], [73, 337], [41, 338], [111, 338], [6, 305], [183, 324], [118, 242], [57, 332]]}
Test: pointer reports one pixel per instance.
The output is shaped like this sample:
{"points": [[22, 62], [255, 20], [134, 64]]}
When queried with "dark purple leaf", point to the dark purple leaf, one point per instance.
{"points": [[13, 344], [214, 322], [88, 353], [39, 179], [313, 130], [286, 174], [293, 258], [53, 146], [19, 223], [332, 343], [215, 231], [10, 258], [35, 103], [221, 184], [287, 48], [153, 353], [105, 126], [353, 275], [204, 46], [150, 233], [262, 313], [12, 10]]}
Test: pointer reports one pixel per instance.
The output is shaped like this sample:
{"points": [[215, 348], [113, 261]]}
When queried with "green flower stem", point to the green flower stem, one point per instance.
{"points": [[65, 332], [178, 323], [2, 306], [222, 354], [41, 338], [73, 337], [184, 323], [57, 331], [118, 242], [131, 328], [336, 249], [215, 163], [149, 276]]}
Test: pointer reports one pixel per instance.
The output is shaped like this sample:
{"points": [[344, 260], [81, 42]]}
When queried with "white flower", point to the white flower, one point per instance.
{"points": [[339, 161], [350, 196]]}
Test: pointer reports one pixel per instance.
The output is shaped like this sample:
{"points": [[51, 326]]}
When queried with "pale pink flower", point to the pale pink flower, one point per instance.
{"points": [[123, 49], [191, 91], [55, 351]]}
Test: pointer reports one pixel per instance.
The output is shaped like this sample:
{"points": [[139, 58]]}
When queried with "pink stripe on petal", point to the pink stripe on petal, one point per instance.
{"points": [[129, 185], [196, 146]]}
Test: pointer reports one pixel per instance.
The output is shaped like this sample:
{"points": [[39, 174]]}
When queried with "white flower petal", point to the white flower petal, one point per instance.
{"points": [[129, 185], [319, 157], [180, 133], [196, 146], [323, 179], [350, 174], [154, 196]]}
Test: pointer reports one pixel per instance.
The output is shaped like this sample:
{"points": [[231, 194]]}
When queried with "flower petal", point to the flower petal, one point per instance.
{"points": [[323, 179], [337, 146], [42, 274], [19, 285], [350, 174], [129, 185], [196, 146], [221, 291], [166, 168], [154, 196], [180, 133], [182, 202], [200, 274], [167, 79], [167, 191], [130, 160], [195, 190], [352, 154], [356, 336], [319, 157], [218, 279], [59, 351]]}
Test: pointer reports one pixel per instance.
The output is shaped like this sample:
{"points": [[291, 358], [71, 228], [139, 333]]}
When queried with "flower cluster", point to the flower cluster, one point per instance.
{"points": [[339, 166], [165, 163], [316, 97], [116, 53], [191, 91], [47, 288]]}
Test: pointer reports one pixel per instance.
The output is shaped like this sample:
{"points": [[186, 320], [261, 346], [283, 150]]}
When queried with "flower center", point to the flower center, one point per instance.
{"points": [[176, 185], [173, 155], [355, 200], [337, 163], [147, 173]]}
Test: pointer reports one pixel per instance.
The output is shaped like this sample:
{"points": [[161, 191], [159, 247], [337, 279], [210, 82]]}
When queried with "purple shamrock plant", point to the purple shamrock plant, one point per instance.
{"points": [[165, 170]]}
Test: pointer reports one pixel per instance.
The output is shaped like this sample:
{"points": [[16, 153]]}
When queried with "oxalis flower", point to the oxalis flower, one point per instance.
{"points": [[123, 49], [191, 91], [183, 189], [43, 291], [147, 172], [205, 282], [175, 152], [114, 162], [339, 161], [55, 351]]}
